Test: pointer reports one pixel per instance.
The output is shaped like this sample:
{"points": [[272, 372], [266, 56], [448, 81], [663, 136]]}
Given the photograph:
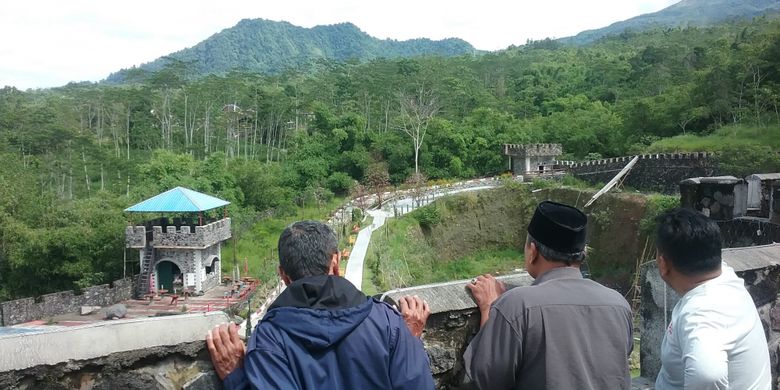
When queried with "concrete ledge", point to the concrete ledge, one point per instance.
{"points": [[102, 339], [453, 296], [752, 257], [640, 383]]}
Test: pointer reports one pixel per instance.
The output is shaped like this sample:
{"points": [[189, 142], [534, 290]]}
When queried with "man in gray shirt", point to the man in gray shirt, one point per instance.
{"points": [[564, 331]]}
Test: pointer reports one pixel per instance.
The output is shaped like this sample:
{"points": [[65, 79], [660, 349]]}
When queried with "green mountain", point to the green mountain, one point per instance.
{"points": [[266, 46], [683, 14]]}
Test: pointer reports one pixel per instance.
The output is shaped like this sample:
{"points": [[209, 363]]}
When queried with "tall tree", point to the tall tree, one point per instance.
{"points": [[417, 110]]}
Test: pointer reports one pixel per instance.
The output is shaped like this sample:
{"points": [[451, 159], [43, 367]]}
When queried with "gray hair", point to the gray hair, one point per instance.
{"points": [[553, 255], [306, 249]]}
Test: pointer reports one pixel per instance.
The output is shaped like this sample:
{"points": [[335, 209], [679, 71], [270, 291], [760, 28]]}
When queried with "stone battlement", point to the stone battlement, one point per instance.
{"points": [[183, 237], [626, 159], [532, 150], [660, 172], [135, 237]]}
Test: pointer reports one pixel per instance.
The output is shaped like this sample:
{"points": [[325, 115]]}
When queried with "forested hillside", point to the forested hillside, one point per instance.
{"points": [[686, 13], [265, 46], [74, 157]]}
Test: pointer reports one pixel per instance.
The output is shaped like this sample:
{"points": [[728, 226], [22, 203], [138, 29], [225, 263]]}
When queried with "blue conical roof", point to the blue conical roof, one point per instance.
{"points": [[178, 200]]}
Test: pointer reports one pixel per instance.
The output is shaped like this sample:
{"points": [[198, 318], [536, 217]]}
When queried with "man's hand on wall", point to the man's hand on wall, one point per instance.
{"points": [[415, 312], [226, 349], [485, 289]]}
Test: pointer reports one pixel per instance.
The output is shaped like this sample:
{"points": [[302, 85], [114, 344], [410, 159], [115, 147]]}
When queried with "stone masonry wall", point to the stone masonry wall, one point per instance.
{"points": [[135, 237], [652, 172], [742, 232], [203, 236], [49, 305], [532, 150], [215, 277], [453, 322], [184, 259]]}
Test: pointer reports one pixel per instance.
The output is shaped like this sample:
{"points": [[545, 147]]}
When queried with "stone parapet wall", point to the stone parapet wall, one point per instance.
{"points": [[135, 237], [453, 323], [202, 237], [63, 302], [652, 172], [142, 353], [532, 150]]}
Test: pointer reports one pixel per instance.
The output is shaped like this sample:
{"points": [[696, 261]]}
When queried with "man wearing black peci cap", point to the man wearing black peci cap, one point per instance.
{"points": [[562, 332]]}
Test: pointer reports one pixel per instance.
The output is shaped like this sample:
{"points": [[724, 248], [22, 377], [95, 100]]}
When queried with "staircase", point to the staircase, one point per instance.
{"points": [[146, 277]]}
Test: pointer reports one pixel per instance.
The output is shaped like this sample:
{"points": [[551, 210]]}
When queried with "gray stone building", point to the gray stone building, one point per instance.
{"points": [[182, 251], [527, 158]]}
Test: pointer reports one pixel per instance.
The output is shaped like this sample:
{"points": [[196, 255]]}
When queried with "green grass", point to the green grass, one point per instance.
{"points": [[399, 256], [481, 262], [724, 138], [257, 245]]}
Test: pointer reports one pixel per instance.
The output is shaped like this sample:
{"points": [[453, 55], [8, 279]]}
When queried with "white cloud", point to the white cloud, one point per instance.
{"points": [[51, 42]]}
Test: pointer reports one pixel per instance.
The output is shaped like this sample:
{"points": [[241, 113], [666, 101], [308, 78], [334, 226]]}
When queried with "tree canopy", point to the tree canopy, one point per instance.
{"points": [[73, 157]]}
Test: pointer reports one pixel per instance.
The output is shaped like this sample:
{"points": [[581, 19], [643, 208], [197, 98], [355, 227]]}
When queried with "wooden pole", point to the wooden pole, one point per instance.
{"points": [[235, 260]]}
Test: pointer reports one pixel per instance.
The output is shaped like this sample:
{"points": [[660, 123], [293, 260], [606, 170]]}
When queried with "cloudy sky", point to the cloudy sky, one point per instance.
{"points": [[48, 43]]}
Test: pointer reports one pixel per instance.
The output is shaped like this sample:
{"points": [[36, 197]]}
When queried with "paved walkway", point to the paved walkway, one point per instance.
{"points": [[354, 272]]}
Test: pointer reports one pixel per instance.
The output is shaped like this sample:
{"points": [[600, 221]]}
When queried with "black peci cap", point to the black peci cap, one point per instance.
{"points": [[559, 227]]}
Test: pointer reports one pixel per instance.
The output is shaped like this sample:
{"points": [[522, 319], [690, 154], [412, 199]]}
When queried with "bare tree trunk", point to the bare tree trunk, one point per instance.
{"points": [[186, 131], [127, 132], [268, 135], [100, 124], [367, 110], [207, 129], [86, 175], [757, 78], [277, 137], [416, 157], [90, 117], [387, 115], [254, 134], [416, 112]]}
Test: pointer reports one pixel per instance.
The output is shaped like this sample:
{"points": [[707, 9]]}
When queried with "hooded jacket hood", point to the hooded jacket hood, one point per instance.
{"points": [[319, 311], [322, 333]]}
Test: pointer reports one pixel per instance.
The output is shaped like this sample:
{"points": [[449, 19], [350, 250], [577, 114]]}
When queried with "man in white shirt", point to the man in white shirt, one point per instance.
{"points": [[715, 339]]}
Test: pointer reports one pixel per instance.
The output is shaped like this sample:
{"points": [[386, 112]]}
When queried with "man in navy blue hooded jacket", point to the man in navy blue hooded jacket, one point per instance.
{"points": [[322, 333]]}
